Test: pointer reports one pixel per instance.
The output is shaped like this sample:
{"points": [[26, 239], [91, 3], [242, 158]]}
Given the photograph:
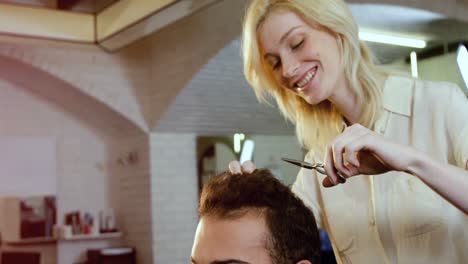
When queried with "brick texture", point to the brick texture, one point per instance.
{"points": [[174, 196]]}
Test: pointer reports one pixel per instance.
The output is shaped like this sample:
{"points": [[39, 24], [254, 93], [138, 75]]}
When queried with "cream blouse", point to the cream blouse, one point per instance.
{"points": [[394, 217]]}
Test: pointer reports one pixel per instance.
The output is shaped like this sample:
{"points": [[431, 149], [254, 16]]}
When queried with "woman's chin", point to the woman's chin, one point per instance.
{"points": [[312, 100]]}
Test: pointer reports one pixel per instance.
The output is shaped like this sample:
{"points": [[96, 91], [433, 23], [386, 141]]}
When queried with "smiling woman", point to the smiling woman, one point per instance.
{"points": [[359, 120]]}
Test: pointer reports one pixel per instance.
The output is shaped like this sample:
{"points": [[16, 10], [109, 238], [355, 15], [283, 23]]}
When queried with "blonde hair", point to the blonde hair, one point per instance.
{"points": [[315, 125]]}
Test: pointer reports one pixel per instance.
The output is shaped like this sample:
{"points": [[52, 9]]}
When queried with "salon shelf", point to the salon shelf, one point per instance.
{"points": [[31, 241], [44, 240], [113, 235]]}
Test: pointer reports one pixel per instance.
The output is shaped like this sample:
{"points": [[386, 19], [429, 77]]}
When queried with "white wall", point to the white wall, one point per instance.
{"points": [[36, 105], [438, 68], [442, 68], [135, 199], [270, 149], [174, 196], [29, 165]]}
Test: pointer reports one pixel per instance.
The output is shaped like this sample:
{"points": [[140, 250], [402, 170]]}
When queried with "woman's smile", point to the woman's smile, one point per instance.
{"points": [[306, 80]]}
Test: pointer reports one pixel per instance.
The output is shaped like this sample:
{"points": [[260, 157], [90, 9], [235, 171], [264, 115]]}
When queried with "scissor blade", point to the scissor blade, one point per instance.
{"points": [[299, 163], [308, 165]]}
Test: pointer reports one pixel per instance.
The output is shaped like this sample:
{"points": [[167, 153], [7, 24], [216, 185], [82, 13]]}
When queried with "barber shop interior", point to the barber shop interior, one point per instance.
{"points": [[233, 132]]}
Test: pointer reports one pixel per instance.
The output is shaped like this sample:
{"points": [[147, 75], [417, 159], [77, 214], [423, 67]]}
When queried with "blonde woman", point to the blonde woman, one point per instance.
{"points": [[361, 121]]}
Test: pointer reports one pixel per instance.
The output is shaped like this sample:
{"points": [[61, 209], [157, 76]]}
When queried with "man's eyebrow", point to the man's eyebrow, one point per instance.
{"points": [[229, 261], [283, 38]]}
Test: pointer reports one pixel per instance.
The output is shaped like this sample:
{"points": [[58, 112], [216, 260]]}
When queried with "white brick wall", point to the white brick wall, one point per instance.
{"points": [[87, 135], [174, 196], [218, 100], [182, 49], [119, 81], [135, 196]]}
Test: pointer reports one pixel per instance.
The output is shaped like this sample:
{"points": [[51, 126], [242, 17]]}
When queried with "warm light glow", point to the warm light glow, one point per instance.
{"points": [[462, 60], [414, 64], [393, 40], [247, 151]]}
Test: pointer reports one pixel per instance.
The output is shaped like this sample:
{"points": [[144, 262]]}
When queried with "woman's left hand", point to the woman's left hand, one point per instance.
{"points": [[359, 150]]}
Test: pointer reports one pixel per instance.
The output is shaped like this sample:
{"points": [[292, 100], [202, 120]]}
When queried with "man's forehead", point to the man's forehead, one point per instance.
{"points": [[250, 226], [240, 239]]}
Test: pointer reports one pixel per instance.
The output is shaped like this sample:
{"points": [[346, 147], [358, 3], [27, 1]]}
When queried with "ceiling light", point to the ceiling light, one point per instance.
{"points": [[462, 60], [237, 142], [414, 64], [393, 40]]}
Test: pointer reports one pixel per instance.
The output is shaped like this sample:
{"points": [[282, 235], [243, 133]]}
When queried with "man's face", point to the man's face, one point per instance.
{"points": [[231, 241]]}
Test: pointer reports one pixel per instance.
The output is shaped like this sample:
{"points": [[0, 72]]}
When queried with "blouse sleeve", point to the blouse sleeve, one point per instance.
{"points": [[307, 189], [457, 118]]}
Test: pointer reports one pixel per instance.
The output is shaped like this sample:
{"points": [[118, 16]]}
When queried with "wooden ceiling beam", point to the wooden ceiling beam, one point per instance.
{"points": [[51, 3], [46, 23], [66, 4]]}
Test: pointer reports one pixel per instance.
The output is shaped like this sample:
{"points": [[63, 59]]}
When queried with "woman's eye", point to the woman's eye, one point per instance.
{"points": [[297, 45], [276, 65]]}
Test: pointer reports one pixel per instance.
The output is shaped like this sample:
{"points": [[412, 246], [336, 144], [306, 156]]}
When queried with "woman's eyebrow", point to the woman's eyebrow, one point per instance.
{"points": [[288, 33], [282, 39]]}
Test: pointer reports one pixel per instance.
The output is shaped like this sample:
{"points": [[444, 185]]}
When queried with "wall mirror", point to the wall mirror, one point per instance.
{"points": [[215, 152]]}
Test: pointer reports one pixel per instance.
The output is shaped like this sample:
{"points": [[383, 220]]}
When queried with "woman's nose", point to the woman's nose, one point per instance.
{"points": [[290, 70]]}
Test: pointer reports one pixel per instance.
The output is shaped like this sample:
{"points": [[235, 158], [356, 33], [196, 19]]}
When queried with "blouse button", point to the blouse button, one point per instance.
{"points": [[372, 221]]}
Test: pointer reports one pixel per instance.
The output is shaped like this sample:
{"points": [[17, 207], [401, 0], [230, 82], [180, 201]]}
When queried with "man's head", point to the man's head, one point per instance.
{"points": [[253, 218]]}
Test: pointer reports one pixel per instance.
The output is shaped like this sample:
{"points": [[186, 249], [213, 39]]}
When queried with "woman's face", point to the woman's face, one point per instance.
{"points": [[303, 57]]}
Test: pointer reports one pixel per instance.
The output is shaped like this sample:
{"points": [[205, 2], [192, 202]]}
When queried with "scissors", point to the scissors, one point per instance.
{"points": [[317, 166]]}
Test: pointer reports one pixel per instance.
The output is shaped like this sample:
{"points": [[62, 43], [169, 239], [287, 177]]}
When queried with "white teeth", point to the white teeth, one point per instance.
{"points": [[305, 81]]}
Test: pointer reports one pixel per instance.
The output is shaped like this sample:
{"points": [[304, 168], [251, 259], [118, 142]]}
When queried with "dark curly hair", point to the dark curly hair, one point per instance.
{"points": [[293, 234]]}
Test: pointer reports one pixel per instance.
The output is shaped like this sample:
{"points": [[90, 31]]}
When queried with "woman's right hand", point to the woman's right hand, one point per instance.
{"points": [[236, 168], [361, 151]]}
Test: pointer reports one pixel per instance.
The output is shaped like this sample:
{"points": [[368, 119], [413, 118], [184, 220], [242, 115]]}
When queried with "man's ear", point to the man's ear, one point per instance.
{"points": [[304, 262]]}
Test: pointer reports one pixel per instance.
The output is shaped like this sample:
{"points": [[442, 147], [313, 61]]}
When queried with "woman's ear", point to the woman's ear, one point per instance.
{"points": [[304, 262]]}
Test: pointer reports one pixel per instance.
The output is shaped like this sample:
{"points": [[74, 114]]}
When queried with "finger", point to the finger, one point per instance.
{"points": [[338, 161], [352, 158], [353, 148], [350, 154], [339, 147], [235, 167], [248, 167], [352, 169], [327, 182], [329, 166]]}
